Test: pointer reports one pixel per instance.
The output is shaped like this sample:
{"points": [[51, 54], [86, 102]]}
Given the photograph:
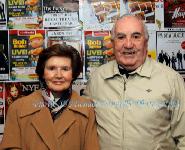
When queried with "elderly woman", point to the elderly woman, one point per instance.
{"points": [[54, 117]]}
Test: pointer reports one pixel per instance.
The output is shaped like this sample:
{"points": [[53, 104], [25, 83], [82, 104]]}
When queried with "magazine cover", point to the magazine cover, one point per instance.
{"points": [[15, 90], [2, 106], [24, 48], [69, 37], [171, 49], [61, 14], [98, 50], [99, 14], [4, 64], [24, 14], [174, 13], [2, 14]]}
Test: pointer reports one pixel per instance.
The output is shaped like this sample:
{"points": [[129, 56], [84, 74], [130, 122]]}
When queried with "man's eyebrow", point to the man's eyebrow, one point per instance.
{"points": [[139, 33], [134, 33], [120, 33]]}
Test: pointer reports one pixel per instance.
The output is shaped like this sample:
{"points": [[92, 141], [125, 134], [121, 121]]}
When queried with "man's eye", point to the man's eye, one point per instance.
{"points": [[120, 37], [137, 36]]}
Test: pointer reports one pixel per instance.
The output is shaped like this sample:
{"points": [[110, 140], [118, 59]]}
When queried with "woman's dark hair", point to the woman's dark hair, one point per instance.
{"points": [[62, 50]]}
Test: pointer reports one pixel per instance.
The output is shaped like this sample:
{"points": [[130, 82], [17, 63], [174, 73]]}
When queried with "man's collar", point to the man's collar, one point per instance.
{"points": [[144, 70], [111, 69]]}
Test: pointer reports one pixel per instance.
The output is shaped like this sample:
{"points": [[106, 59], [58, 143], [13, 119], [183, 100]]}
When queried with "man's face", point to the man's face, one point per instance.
{"points": [[130, 44]]}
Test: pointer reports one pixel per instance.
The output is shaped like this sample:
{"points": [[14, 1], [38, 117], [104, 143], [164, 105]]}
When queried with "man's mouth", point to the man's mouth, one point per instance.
{"points": [[129, 52]]}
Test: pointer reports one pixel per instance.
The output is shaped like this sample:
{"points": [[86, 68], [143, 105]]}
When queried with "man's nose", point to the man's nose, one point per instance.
{"points": [[128, 43]]}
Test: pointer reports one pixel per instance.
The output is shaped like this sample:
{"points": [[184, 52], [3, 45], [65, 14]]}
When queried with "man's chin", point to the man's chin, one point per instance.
{"points": [[129, 66]]}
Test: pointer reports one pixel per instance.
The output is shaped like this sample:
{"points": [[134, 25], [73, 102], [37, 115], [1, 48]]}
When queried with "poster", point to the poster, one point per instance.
{"points": [[2, 14], [152, 44], [2, 106], [24, 14], [159, 15], [69, 37], [98, 50], [4, 64], [144, 9], [79, 86], [174, 13], [15, 90], [24, 48], [61, 14], [99, 15], [171, 49]]}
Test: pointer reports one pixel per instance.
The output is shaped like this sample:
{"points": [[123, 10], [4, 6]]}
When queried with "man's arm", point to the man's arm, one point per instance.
{"points": [[178, 113]]}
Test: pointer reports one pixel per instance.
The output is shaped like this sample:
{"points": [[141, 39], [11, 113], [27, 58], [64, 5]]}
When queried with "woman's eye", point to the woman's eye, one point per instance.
{"points": [[66, 68], [51, 68]]}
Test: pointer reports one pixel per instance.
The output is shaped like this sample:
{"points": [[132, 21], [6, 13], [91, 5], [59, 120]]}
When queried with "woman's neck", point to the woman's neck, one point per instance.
{"points": [[56, 94]]}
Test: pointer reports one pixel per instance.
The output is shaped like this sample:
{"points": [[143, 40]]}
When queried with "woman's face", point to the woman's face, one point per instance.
{"points": [[58, 73], [14, 92]]}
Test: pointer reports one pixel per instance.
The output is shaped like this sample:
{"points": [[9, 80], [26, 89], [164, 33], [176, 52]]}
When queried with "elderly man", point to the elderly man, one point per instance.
{"points": [[139, 102]]}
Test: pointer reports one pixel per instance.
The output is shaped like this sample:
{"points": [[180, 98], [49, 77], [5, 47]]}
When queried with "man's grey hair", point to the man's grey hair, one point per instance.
{"points": [[126, 15]]}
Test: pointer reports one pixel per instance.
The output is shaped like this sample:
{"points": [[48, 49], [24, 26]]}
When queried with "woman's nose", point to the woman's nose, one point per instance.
{"points": [[59, 73]]}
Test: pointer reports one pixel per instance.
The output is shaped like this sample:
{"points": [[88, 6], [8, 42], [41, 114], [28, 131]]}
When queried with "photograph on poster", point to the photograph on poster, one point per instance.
{"points": [[171, 49]]}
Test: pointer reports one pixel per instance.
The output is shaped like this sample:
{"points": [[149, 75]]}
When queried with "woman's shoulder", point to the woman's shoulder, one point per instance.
{"points": [[81, 104], [81, 100], [26, 101]]}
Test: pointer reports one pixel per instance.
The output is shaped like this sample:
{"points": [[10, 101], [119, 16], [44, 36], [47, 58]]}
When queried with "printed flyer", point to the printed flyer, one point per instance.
{"points": [[24, 14], [99, 15], [24, 48], [171, 49], [4, 64], [61, 14]]}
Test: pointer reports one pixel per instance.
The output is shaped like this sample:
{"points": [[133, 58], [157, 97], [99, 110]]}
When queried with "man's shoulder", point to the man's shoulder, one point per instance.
{"points": [[105, 68], [162, 68]]}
